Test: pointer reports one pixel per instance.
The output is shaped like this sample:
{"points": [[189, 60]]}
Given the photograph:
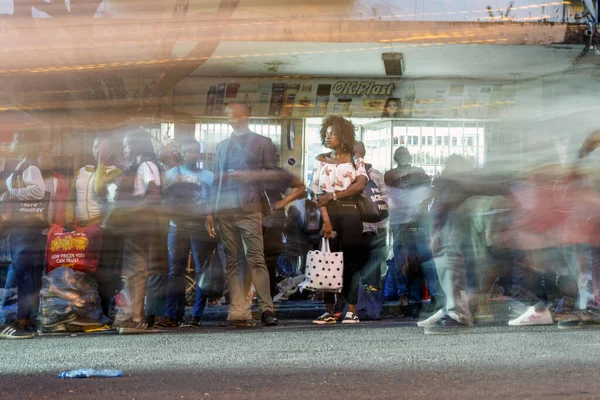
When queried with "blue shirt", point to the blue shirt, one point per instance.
{"points": [[235, 160], [182, 174]]}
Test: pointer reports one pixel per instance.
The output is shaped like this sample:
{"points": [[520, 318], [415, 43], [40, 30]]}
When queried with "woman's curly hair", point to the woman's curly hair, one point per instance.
{"points": [[344, 131]]}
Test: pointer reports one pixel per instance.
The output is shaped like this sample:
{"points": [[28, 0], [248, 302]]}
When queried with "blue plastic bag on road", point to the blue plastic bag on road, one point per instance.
{"points": [[91, 373]]}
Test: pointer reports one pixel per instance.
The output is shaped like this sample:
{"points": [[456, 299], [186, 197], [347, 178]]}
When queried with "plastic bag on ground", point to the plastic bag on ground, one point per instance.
{"points": [[67, 295], [288, 287], [123, 303], [212, 277], [370, 303]]}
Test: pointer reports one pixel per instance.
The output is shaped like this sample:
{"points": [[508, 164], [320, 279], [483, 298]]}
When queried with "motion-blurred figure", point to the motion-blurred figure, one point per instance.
{"points": [[186, 193], [237, 205], [409, 196], [374, 234], [276, 189], [86, 206], [137, 199], [24, 194], [56, 187]]}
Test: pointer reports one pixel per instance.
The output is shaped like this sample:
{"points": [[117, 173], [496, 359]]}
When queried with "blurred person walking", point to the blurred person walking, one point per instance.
{"points": [[470, 213], [276, 189], [237, 205], [410, 193], [448, 233], [186, 192], [136, 219], [25, 203], [338, 178], [158, 272], [375, 234], [85, 208]]}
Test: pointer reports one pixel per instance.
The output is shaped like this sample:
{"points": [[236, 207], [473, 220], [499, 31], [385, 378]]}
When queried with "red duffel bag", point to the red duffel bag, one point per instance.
{"points": [[79, 250]]}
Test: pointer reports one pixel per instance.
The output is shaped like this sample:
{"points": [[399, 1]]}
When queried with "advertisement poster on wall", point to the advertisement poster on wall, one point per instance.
{"points": [[352, 98]]}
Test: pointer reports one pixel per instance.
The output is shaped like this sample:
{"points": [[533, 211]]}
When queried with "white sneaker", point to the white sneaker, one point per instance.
{"points": [[532, 317], [350, 318], [433, 320]]}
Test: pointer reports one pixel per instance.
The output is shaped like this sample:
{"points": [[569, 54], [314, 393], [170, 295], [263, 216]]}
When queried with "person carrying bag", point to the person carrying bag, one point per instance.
{"points": [[337, 181]]}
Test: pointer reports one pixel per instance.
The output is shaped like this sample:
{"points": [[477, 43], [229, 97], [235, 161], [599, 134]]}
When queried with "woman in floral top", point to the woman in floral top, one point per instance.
{"points": [[338, 179]]}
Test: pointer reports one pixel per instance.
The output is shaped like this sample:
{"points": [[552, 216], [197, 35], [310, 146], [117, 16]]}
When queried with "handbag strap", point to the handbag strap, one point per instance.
{"points": [[353, 160], [325, 246]]}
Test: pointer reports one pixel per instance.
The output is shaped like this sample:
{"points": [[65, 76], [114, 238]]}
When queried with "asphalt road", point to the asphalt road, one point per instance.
{"points": [[382, 360]]}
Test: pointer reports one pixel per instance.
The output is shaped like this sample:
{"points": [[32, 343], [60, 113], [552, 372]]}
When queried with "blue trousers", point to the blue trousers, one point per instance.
{"points": [[181, 240], [413, 243], [27, 246]]}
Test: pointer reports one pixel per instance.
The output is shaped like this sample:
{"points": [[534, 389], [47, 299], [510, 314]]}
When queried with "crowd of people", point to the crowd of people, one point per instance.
{"points": [[468, 238]]}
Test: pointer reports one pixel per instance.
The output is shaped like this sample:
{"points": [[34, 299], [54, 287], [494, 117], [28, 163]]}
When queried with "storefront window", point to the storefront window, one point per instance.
{"points": [[429, 142]]}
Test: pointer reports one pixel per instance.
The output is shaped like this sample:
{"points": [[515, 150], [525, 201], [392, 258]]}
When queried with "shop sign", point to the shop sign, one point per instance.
{"points": [[362, 88]]}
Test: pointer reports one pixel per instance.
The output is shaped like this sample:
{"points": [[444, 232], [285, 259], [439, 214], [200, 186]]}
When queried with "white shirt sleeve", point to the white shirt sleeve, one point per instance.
{"points": [[34, 186], [360, 168], [147, 172]]}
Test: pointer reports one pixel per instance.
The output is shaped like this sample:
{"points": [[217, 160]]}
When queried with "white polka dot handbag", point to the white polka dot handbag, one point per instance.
{"points": [[324, 270]]}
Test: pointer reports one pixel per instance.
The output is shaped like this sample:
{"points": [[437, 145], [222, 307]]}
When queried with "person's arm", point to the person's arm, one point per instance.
{"points": [[357, 187], [590, 144], [103, 178], [151, 175], [298, 192], [35, 187], [327, 227]]}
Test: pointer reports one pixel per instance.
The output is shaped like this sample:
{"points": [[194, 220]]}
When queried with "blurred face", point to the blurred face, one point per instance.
{"points": [[96, 148], [392, 107], [402, 157], [167, 157], [331, 139], [15, 146], [237, 115], [127, 149], [45, 160], [191, 153], [359, 150]]}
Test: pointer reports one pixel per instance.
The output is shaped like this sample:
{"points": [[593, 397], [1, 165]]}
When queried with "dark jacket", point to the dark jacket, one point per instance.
{"points": [[260, 156]]}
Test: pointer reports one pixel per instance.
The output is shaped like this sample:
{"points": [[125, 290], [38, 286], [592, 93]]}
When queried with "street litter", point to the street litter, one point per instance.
{"points": [[91, 373]]}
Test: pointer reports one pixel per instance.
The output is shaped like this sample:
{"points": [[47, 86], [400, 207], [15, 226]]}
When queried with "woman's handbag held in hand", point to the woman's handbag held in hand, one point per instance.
{"points": [[324, 270]]}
